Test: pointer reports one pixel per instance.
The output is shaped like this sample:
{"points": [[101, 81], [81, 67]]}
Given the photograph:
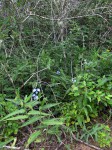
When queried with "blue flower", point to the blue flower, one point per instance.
{"points": [[35, 98], [33, 95], [34, 90], [38, 90], [58, 72]]}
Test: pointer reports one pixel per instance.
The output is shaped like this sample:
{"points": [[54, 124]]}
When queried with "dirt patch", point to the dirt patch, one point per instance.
{"points": [[82, 147]]}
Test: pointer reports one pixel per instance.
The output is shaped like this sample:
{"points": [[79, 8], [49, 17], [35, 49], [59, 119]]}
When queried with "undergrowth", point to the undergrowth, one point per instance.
{"points": [[55, 73]]}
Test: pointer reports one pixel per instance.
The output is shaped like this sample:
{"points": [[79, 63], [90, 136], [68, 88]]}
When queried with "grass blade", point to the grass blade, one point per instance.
{"points": [[21, 111], [18, 117]]}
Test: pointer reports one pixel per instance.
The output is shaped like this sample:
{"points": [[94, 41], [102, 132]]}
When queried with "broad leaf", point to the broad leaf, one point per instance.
{"points": [[33, 137]]}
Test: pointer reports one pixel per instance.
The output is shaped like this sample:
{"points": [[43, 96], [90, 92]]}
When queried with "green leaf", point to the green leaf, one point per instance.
{"points": [[109, 102], [80, 120], [21, 111], [54, 130], [33, 137], [35, 112], [102, 81], [32, 104], [53, 121], [27, 98], [89, 106], [32, 120], [15, 101], [49, 64], [86, 112], [18, 117], [5, 143], [47, 106]]}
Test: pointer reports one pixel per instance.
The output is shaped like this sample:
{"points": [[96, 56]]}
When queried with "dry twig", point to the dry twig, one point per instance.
{"points": [[92, 146]]}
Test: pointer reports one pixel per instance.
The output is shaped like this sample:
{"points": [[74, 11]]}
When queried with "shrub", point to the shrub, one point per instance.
{"points": [[88, 96]]}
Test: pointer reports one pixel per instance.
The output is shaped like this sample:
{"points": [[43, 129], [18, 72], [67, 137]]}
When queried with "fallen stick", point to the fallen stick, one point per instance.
{"points": [[62, 143], [16, 148], [10, 147], [92, 146]]}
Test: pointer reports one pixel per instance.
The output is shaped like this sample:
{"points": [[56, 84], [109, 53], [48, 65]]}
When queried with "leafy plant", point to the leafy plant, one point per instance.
{"points": [[7, 107], [25, 114], [99, 132], [87, 98], [64, 47], [104, 136]]}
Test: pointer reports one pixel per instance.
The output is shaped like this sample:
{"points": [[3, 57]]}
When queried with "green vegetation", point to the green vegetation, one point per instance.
{"points": [[55, 72]]}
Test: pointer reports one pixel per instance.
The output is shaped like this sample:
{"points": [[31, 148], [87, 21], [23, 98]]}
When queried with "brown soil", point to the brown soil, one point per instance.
{"points": [[82, 147]]}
